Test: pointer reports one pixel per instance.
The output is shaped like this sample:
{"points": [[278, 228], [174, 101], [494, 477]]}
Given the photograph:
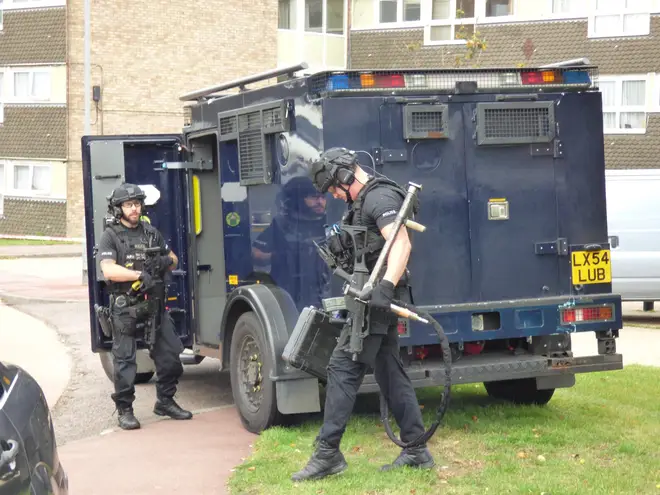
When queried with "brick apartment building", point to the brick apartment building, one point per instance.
{"points": [[143, 57], [621, 37]]}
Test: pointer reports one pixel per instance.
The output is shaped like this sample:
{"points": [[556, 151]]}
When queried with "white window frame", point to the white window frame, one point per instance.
{"points": [[399, 15], [618, 108], [301, 18], [10, 178], [300, 34], [621, 12], [31, 70]]}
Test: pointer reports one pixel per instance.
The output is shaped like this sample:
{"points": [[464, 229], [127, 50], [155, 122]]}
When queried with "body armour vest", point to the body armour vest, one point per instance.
{"points": [[355, 216], [129, 242]]}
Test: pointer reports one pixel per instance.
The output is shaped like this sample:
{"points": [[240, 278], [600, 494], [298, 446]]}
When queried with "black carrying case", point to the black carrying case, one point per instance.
{"points": [[312, 342]]}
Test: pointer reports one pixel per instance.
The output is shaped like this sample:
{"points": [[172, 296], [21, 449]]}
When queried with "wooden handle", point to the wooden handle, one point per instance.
{"points": [[411, 224], [406, 313]]}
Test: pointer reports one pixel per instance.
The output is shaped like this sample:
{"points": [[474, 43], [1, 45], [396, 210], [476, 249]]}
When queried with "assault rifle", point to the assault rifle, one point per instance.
{"points": [[359, 284], [154, 296]]}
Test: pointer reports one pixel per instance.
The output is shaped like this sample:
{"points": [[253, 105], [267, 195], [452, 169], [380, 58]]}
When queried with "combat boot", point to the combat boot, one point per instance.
{"points": [[416, 457], [167, 407], [325, 461], [127, 420]]}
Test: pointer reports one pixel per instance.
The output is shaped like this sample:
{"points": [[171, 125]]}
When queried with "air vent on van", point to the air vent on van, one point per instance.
{"points": [[425, 121], [515, 122], [254, 127]]}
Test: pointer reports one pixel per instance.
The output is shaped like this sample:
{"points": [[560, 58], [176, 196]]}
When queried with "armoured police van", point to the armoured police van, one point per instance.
{"points": [[514, 259]]}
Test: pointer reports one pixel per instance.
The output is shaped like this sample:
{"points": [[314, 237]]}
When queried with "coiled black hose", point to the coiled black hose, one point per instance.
{"points": [[444, 400]]}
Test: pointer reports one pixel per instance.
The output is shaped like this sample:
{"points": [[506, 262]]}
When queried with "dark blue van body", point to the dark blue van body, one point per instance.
{"points": [[515, 256]]}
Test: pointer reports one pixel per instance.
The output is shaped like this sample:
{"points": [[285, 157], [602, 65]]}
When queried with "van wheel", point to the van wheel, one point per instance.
{"points": [[250, 366], [521, 391], [145, 366]]}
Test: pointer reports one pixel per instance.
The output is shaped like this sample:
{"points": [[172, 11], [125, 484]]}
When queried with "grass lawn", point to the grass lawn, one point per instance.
{"points": [[600, 436], [31, 242]]}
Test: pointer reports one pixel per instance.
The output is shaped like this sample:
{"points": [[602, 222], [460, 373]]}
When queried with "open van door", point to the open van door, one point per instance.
{"points": [[151, 162]]}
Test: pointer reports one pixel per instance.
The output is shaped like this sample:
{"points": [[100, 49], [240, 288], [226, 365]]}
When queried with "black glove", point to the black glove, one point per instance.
{"points": [[147, 281], [164, 262], [382, 295]]}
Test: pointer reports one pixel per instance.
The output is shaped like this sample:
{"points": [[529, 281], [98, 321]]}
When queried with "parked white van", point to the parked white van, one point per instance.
{"points": [[633, 218]]}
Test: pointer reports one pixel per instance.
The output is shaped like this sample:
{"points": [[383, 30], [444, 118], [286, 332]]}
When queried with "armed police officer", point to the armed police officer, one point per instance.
{"points": [[373, 203], [135, 280]]}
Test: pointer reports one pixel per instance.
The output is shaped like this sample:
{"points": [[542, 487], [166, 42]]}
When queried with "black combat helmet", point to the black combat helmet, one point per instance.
{"points": [[325, 171], [126, 192]]}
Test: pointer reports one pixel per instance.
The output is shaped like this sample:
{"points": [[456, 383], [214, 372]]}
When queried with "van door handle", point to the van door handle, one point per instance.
{"points": [[614, 241]]}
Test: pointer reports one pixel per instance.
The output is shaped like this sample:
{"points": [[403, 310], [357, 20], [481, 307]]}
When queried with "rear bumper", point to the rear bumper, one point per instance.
{"points": [[474, 369]]}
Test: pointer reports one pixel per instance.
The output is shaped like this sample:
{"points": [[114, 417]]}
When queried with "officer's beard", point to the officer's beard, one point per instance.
{"points": [[131, 222]]}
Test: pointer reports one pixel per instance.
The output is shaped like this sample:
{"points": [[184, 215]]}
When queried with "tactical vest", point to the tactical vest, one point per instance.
{"points": [[127, 251], [375, 240]]}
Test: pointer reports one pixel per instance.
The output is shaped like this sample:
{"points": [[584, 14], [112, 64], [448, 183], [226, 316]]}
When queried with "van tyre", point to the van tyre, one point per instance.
{"points": [[521, 391], [250, 366]]}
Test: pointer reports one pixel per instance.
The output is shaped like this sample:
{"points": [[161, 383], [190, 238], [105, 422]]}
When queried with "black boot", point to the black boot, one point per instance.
{"points": [[326, 460], [126, 419], [416, 457], [167, 407]]}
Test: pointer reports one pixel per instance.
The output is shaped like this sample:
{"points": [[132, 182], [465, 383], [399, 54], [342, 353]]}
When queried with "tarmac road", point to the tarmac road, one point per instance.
{"points": [[85, 408]]}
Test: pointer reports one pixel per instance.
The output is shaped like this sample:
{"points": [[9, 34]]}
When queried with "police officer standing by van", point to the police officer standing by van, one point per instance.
{"points": [[124, 262], [374, 203]]}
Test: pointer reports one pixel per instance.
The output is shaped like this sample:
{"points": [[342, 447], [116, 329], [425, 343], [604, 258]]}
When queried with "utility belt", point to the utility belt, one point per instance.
{"points": [[122, 305]]}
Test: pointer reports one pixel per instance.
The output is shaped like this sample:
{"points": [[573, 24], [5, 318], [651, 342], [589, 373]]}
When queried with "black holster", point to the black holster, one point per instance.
{"points": [[105, 320]]}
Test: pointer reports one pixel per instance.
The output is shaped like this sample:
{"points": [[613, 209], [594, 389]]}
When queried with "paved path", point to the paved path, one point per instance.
{"points": [[33, 345], [41, 250], [164, 456]]}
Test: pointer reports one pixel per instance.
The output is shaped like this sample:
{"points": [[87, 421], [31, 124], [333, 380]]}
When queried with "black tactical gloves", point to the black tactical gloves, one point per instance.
{"points": [[382, 295], [147, 281], [158, 264]]}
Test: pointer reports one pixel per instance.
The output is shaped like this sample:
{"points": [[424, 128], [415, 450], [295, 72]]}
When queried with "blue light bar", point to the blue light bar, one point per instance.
{"points": [[576, 77], [339, 81]]}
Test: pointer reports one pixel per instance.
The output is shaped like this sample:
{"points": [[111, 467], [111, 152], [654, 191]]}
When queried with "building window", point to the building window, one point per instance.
{"points": [[624, 104], [314, 16], [287, 14], [335, 12], [450, 17], [312, 12], [32, 179], [2, 178], [613, 18], [399, 11], [497, 8], [31, 85]]}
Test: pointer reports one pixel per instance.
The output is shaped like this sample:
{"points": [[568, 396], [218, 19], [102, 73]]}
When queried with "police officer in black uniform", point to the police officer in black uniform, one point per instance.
{"points": [[123, 264], [374, 203]]}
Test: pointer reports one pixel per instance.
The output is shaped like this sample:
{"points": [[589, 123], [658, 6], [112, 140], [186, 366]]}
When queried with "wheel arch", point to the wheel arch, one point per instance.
{"points": [[277, 315]]}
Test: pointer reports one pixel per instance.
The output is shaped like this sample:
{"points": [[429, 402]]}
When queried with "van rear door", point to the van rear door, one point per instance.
{"points": [[511, 191], [150, 162]]}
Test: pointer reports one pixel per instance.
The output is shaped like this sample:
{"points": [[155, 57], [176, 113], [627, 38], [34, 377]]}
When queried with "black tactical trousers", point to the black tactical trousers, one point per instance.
{"points": [[165, 355], [345, 377]]}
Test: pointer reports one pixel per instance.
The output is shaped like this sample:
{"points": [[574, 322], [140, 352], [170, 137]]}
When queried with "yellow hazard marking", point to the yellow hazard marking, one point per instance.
{"points": [[172, 298], [497, 199], [233, 279]]}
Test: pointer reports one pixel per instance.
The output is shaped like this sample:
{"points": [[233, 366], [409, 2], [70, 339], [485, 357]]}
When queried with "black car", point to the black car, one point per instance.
{"points": [[29, 464]]}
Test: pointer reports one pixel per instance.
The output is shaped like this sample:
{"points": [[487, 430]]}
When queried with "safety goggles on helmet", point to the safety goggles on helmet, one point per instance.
{"points": [[324, 171]]}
